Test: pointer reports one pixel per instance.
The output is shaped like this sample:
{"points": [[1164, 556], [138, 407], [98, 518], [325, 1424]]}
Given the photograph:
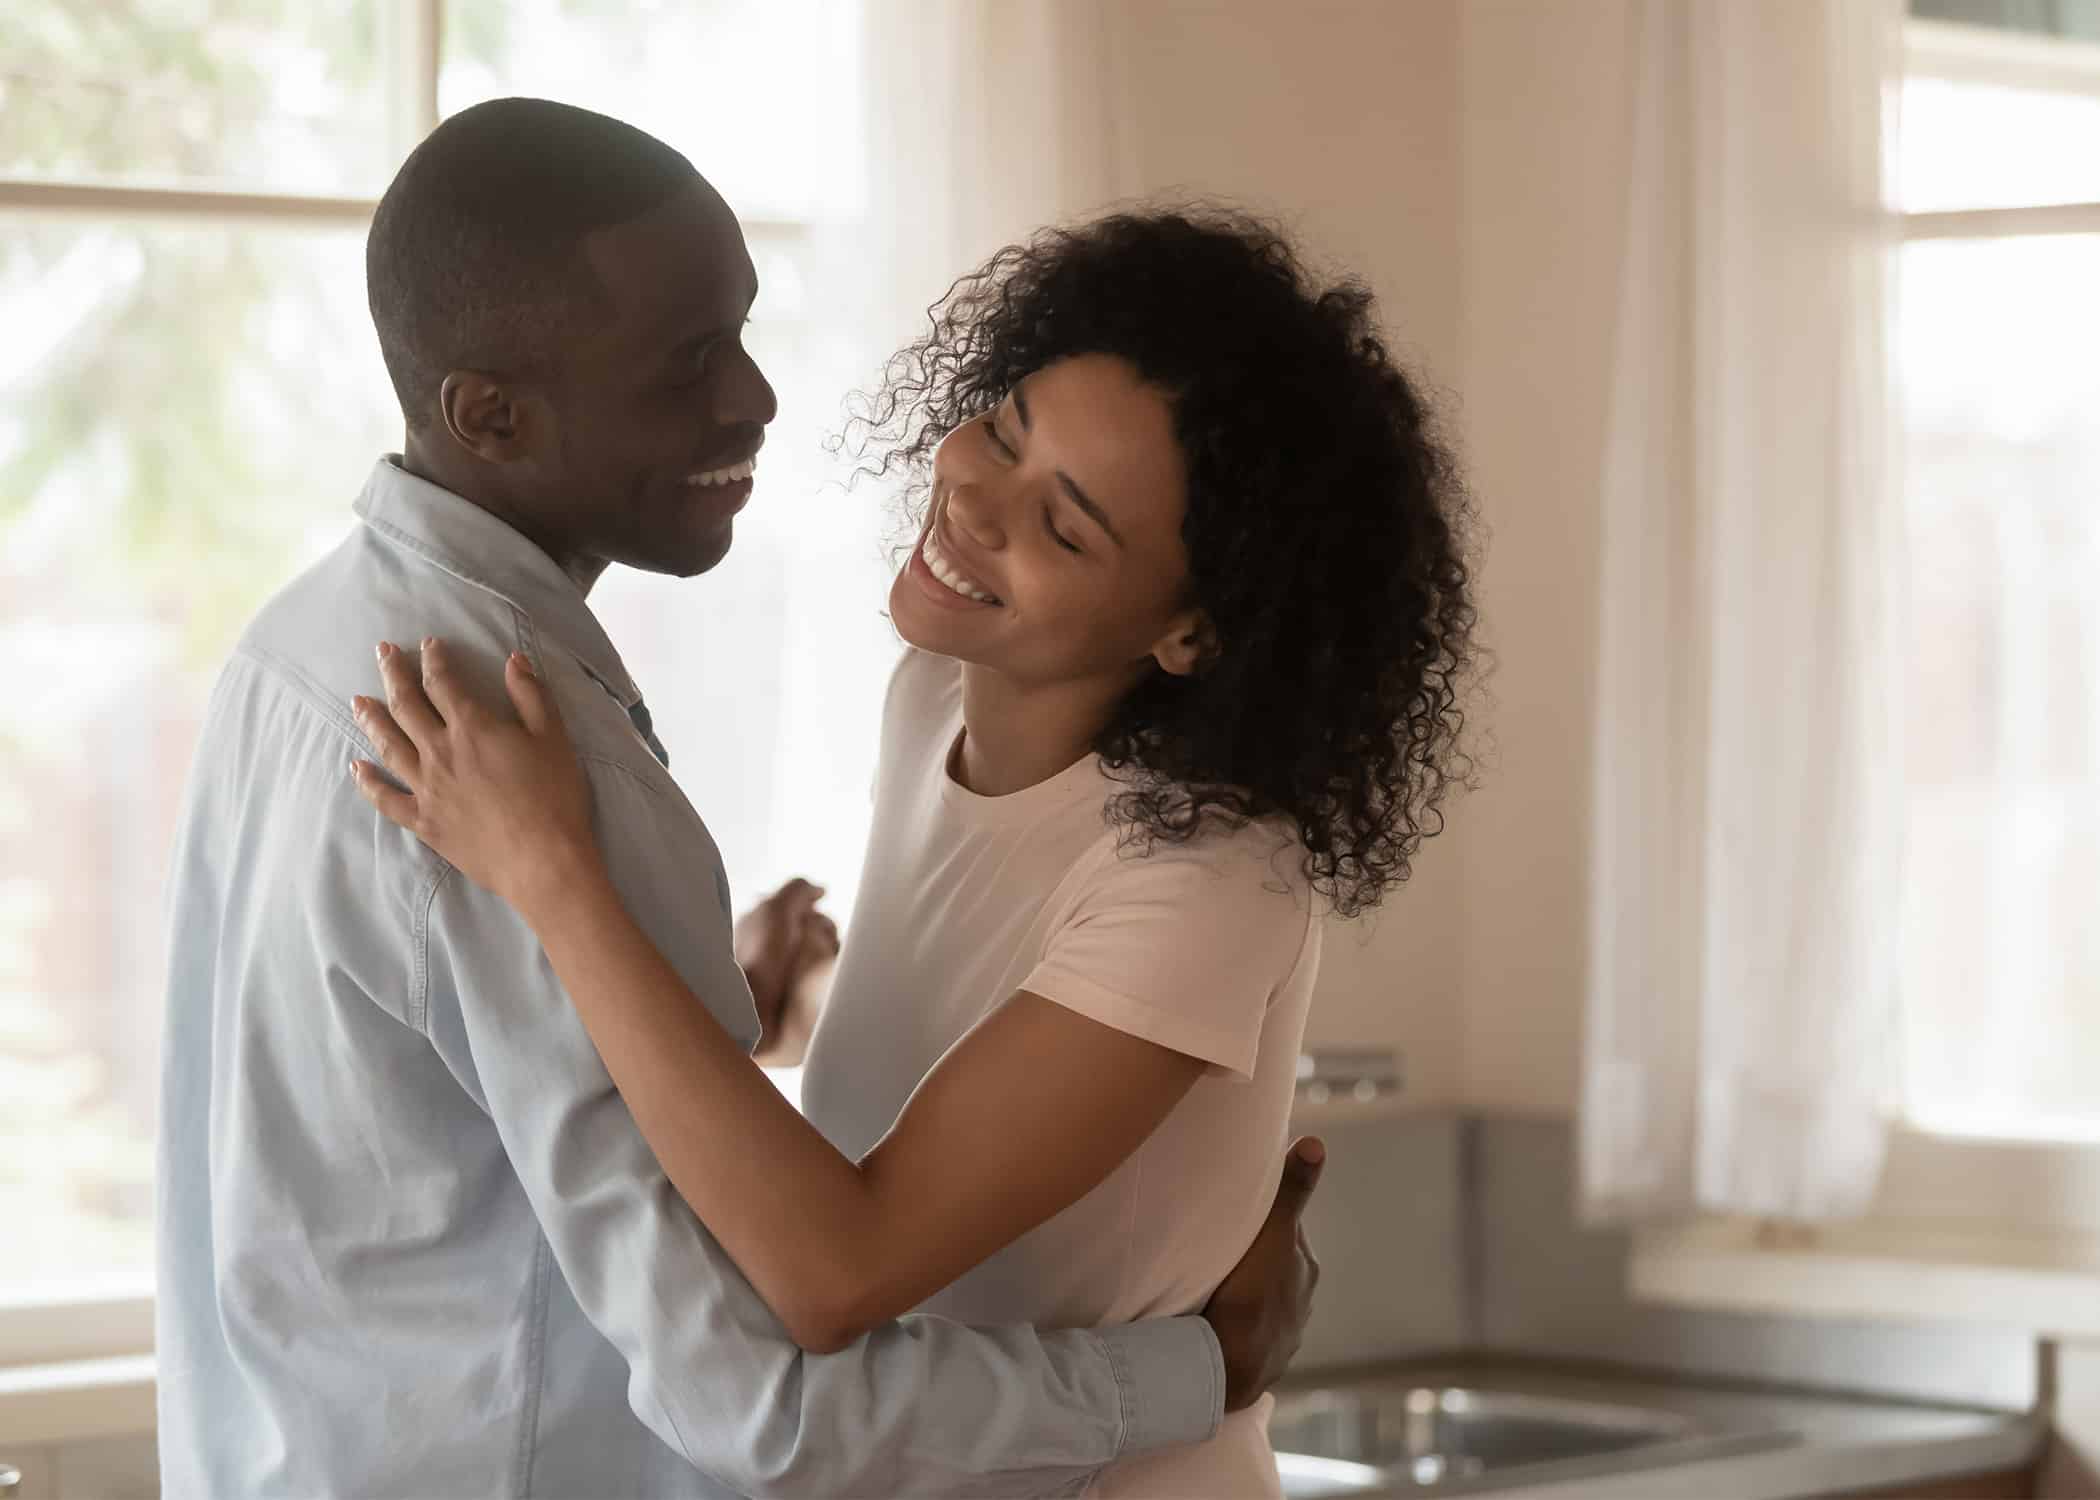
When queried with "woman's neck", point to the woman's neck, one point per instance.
{"points": [[1015, 736]]}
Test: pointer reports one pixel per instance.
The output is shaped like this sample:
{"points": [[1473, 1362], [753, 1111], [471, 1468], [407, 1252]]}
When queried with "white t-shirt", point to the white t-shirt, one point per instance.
{"points": [[1208, 947]]}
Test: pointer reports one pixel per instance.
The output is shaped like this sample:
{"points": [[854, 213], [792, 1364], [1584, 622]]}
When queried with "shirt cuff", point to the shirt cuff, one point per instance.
{"points": [[1171, 1373]]}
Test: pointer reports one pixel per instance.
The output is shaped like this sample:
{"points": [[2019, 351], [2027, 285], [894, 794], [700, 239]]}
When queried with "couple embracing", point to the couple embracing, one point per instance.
{"points": [[468, 1181]]}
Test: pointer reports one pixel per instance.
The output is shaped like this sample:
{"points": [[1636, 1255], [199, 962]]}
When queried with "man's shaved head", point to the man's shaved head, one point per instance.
{"points": [[475, 259], [561, 300]]}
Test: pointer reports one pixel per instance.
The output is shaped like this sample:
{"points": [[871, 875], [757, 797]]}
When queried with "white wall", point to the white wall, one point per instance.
{"points": [[1542, 90], [1346, 112], [1467, 157], [1547, 1286]]}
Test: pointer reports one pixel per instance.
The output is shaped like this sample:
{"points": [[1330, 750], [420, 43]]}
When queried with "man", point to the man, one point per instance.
{"points": [[410, 1239]]}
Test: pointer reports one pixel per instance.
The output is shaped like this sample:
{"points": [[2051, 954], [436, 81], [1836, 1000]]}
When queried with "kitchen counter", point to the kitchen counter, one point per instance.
{"points": [[1751, 1443]]}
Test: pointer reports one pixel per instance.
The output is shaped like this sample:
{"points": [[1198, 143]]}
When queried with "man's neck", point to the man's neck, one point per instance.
{"points": [[1015, 736], [469, 482]]}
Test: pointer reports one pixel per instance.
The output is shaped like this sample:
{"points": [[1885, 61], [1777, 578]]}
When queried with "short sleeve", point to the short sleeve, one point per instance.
{"points": [[1185, 945]]}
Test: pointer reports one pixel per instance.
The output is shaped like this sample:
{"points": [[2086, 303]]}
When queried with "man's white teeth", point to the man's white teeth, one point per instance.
{"points": [[938, 565], [729, 475]]}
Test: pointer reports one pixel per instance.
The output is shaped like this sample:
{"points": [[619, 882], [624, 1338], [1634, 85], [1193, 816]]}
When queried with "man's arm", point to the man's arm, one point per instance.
{"points": [[924, 1406]]}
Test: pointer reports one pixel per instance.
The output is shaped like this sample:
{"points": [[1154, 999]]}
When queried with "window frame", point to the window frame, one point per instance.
{"points": [[1975, 54], [1942, 49], [1997, 1232], [113, 1320], [94, 1340]]}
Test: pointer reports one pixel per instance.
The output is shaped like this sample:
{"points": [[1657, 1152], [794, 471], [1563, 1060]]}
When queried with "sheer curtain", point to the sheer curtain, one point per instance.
{"points": [[1740, 1030], [985, 119]]}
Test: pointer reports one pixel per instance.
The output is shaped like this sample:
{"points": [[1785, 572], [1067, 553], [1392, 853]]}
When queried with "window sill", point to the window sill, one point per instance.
{"points": [[2039, 1282], [86, 1398]]}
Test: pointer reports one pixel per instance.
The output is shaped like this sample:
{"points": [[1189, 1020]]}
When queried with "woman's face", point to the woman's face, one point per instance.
{"points": [[1052, 549]]}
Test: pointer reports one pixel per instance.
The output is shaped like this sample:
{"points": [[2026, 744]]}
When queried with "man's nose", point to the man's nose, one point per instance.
{"points": [[746, 396]]}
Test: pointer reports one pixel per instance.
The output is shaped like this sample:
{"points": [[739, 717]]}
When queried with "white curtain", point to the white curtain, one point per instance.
{"points": [[1740, 1031], [986, 120]]}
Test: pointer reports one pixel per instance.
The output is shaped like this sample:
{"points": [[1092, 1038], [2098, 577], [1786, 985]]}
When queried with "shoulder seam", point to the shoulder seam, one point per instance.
{"points": [[306, 689]]}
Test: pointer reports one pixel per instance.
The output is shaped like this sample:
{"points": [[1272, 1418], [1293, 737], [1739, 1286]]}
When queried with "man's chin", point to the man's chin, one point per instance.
{"points": [[699, 555], [706, 561]]}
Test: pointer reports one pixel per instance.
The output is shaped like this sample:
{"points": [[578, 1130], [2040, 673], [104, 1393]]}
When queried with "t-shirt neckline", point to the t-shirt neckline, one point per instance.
{"points": [[1081, 778]]}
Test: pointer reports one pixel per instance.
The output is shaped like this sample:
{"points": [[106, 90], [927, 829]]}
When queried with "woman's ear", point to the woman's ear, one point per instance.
{"points": [[1190, 642]]}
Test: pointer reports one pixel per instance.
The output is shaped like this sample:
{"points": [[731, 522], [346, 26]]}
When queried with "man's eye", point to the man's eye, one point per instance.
{"points": [[1056, 535], [707, 351], [991, 431]]}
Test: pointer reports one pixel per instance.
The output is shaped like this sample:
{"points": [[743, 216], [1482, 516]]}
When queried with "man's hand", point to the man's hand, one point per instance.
{"points": [[779, 942], [1259, 1310], [787, 1044]]}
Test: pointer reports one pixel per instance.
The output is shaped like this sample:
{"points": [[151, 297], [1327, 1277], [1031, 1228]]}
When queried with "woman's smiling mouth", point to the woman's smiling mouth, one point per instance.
{"points": [[944, 570]]}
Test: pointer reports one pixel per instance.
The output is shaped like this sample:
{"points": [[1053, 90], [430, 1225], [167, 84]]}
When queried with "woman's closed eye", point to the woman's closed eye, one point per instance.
{"points": [[1057, 536], [1008, 455]]}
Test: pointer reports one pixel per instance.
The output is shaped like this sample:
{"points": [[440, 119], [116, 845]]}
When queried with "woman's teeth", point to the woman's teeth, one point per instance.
{"points": [[729, 475], [939, 566]]}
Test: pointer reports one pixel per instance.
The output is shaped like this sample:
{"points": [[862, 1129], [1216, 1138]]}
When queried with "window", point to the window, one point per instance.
{"points": [[1997, 182], [190, 397]]}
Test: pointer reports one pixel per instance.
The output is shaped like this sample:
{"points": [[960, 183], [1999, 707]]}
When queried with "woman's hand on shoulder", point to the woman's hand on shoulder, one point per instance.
{"points": [[505, 801]]}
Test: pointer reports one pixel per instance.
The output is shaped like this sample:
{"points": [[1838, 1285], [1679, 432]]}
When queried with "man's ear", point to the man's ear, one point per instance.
{"points": [[492, 418], [1190, 642]]}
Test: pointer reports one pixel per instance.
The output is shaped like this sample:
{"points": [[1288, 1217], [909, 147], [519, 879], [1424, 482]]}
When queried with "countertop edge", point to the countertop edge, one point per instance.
{"points": [[1809, 1468]]}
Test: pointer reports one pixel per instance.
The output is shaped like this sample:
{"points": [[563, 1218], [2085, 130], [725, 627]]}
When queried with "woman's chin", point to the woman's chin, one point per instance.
{"points": [[923, 626], [908, 617]]}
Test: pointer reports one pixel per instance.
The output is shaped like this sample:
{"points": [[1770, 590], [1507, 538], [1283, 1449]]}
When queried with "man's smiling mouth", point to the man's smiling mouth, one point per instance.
{"points": [[727, 475]]}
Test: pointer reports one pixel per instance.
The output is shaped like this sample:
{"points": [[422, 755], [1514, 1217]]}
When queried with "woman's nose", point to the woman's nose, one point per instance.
{"points": [[974, 509]]}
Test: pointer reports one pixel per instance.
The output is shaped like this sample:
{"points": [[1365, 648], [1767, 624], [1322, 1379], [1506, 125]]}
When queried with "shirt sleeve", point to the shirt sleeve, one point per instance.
{"points": [[923, 1406], [1185, 945]]}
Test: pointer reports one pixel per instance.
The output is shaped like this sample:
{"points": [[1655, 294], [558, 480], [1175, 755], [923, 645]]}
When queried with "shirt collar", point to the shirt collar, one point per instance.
{"points": [[469, 543]]}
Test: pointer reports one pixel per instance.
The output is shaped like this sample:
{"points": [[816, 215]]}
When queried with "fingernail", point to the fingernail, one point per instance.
{"points": [[383, 650], [430, 643], [1313, 1152]]}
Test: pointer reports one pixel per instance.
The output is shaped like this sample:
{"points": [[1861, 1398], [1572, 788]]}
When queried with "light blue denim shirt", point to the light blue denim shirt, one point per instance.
{"points": [[411, 1242]]}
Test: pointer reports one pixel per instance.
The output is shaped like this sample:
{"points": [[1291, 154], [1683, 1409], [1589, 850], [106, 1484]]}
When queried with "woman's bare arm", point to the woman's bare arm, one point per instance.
{"points": [[1022, 1117]]}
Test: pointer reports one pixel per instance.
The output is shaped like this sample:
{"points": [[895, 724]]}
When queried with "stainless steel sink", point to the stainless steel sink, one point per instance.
{"points": [[1360, 1440]]}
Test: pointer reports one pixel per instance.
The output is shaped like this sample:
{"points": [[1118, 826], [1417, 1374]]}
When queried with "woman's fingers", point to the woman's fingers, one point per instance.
{"points": [[446, 693], [395, 805], [411, 707], [396, 751], [536, 707]]}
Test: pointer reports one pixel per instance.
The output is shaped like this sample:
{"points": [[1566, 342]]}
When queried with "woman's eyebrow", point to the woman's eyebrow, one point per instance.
{"points": [[1086, 503]]}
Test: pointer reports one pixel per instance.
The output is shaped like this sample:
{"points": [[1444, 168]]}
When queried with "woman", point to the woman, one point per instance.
{"points": [[1188, 615]]}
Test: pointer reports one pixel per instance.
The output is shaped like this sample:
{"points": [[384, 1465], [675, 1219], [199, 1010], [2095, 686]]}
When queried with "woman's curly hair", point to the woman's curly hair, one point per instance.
{"points": [[1327, 529]]}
